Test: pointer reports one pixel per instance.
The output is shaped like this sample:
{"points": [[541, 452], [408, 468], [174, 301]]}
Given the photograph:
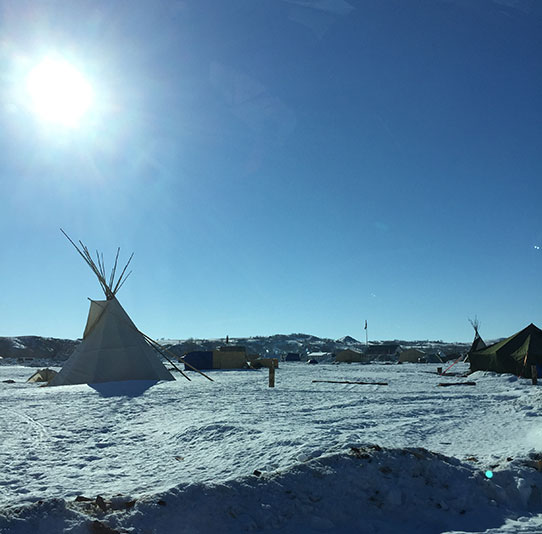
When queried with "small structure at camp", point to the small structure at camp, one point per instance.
{"points": [[384, 352], [230, 357], [43, 375], [516, 354], [412, 356], [199, 359], [292, 357], [226, 357], [435, 357], [258, 363], [438, 357], [320, 357], [112, 349], [350, 356]]}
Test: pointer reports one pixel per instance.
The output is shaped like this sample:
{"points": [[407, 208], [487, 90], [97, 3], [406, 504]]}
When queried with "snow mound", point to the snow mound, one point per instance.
{"points": [[364, 489]]}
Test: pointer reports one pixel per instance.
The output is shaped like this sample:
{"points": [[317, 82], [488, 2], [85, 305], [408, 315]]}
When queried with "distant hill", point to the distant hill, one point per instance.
{"points": [[35, 350], [279, 345], [347, 340]]}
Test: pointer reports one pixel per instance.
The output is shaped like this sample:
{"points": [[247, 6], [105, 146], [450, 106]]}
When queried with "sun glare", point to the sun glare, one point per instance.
{"points": [[58, 92]]}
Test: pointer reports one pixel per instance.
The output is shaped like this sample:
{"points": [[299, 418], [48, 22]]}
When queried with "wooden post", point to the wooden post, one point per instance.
{"points": [[534, 375], [439, 370], [271, 376]]}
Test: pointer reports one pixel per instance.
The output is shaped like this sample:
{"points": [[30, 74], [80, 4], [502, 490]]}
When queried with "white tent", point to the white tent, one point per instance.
{"points": [[112, 349]]}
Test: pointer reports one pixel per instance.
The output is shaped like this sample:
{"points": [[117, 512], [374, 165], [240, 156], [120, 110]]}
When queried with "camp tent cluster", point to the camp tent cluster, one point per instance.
{"points": [[112, 349], [226, 357], [516, 354]]}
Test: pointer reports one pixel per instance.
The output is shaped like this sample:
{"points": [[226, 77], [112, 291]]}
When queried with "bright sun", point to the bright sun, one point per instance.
{"points": [[58, 92]]}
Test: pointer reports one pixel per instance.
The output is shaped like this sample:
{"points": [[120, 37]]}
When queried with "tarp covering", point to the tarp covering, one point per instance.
{"points": [[515, 354], [112, 350], [217, 359], [200, 359]]}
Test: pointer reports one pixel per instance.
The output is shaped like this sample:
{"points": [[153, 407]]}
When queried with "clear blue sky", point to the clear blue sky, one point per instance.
{"points": [[278, 166]]}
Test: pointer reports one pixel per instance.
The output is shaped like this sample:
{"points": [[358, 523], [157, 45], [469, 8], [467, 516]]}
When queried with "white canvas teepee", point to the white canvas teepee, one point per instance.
{"points": [[113, 349]]}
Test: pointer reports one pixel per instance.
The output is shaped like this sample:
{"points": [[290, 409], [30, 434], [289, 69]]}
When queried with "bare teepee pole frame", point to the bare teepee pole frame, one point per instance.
{"points": [[99, 268], [161, 349], [475, 323]]}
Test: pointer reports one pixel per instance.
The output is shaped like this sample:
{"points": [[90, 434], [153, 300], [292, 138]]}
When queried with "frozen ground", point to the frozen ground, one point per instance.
{"points": [[328, 457]]}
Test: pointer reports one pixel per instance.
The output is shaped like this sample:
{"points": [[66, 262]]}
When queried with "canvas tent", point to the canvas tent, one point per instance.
{"points": [[515, 354], [320, 357], [383, 352], [412, 356], [112, 349], [478, 342], [350, 356], [43, 375]]}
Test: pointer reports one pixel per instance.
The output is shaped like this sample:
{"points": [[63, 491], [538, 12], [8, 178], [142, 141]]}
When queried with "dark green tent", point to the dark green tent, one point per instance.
{"points": [[513, 355]]}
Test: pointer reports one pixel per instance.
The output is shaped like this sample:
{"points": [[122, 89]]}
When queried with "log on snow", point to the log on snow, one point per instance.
{"points": [[446, 384], [351, 382]]}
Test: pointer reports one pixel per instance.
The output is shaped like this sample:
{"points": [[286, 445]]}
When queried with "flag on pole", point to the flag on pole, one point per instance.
{"points": [[365, 328]]}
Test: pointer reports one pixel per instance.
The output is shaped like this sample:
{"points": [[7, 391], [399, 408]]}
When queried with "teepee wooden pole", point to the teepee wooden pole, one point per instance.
{"points": [[159, 349], [116, 288], [112, 277], [77, 248], [150, 340], [195, 369], [84, 253], [122, 283]]}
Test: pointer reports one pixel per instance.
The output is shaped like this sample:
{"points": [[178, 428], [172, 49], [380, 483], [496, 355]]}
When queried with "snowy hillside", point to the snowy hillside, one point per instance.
{"points": [[234, 455], [39, 351], [279, 345], [35, 348]]}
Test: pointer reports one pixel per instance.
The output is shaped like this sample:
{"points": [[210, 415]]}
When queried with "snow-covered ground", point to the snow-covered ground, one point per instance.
{"points": [[235, 455]]}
